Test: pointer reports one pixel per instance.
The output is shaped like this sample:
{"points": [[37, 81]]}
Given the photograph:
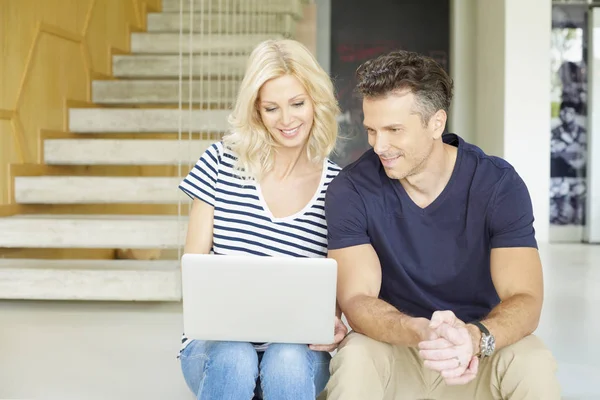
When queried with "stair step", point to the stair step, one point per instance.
{"points": [[164, 92], [293, 7], [92, 231], [167, 66], [123, 151], [106, 280], [99, 120], [169, 43], [223, 22], [97, 190]]}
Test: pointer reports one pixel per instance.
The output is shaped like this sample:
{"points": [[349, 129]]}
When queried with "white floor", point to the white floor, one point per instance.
{"points": [[118, 351], [570, 323]]}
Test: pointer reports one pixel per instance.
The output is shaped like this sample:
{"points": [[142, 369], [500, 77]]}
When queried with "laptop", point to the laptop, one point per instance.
{"points": [[259, 299]]}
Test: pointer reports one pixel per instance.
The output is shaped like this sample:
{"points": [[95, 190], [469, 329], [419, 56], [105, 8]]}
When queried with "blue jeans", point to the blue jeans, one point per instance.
{"points": [[229, 371]]}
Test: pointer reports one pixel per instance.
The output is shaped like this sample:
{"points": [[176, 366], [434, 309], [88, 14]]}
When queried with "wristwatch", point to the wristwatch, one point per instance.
{"points": [[488, 342]]}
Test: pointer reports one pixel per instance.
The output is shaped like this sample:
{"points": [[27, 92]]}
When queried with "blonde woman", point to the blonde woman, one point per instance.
{"points": [[261, 191]]}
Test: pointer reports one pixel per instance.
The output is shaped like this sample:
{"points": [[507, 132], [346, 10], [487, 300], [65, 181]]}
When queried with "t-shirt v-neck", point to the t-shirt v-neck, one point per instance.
{"points": [[439, 200]]}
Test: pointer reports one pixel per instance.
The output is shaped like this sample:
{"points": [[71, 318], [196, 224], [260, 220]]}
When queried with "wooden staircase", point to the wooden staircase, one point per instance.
{"points": [[111, 181]]}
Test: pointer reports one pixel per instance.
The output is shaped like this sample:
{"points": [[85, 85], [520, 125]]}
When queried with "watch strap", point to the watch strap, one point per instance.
{"points": [[487, 341], [481, 327]]}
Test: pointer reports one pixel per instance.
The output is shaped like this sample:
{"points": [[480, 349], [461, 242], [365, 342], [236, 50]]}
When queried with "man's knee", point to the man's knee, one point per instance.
{"points": [[361, 369], [527, 364], [360, 353], [357, 348], [527, 354]]}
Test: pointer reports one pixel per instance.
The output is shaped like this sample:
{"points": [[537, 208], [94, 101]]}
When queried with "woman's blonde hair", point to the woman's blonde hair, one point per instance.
{"points": [[249, 138]]}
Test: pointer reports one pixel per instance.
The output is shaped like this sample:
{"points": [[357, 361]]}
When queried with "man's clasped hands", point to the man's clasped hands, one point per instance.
{"points": [[447, 346]]}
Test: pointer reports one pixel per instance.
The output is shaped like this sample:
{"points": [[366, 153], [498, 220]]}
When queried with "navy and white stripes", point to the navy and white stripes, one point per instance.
{"points": [[243, 223]]}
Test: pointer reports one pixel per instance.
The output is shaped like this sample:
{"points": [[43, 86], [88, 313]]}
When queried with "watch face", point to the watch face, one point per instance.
{"points": [[489, 344]]}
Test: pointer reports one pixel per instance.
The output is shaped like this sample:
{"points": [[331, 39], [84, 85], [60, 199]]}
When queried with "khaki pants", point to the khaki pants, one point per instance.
{"points": [[365, 369]]}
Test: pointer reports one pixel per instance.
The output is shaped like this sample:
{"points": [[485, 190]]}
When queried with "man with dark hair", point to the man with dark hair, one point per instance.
{"points": [[568, 145], [439, 273]]}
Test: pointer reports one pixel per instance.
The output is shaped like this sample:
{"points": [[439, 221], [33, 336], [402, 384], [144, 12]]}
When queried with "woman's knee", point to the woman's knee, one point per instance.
{"points": [[219, 359], [296, 360], [238, 357], [293, 371]]}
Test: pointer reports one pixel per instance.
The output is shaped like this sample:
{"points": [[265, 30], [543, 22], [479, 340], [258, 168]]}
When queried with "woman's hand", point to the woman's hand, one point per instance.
{"points": [[340, 333]]}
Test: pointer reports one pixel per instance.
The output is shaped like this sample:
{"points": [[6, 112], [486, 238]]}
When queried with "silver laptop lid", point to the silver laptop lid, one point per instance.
{"points": [[259, 299]]}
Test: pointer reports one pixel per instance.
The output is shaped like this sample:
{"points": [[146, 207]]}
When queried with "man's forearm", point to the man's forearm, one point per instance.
{"points": [[380, 321], [511, 320]]}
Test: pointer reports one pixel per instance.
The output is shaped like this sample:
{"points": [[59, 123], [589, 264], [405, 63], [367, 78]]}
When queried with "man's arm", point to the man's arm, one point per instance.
{"points": [[359, 283], [517, 276], [515, 265], [516, 272], [359, 270]]}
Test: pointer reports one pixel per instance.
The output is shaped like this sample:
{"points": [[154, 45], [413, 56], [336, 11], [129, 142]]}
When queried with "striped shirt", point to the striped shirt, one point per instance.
{"points": [[243, 224]]}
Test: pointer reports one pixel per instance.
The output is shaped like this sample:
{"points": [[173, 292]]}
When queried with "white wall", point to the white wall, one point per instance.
{"points": [[527, 100], [463, 68], [91, 351], [490, 76], [508, 94], [324, 33]]}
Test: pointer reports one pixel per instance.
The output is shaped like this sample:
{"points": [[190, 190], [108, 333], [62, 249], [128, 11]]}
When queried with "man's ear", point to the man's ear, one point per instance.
{"points": [[437, 124]]}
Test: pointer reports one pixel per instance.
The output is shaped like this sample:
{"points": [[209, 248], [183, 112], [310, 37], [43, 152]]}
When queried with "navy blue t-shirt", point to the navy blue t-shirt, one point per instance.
{"points": [[437, 257]]}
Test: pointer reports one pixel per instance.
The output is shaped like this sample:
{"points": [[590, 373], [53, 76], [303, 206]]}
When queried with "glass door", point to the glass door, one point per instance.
{"points": [[570, 117], [592, 231]]}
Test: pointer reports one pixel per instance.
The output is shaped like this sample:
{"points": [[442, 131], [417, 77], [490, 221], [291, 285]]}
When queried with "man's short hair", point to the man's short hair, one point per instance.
{"points": [[568, 104], [399, 71]]}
